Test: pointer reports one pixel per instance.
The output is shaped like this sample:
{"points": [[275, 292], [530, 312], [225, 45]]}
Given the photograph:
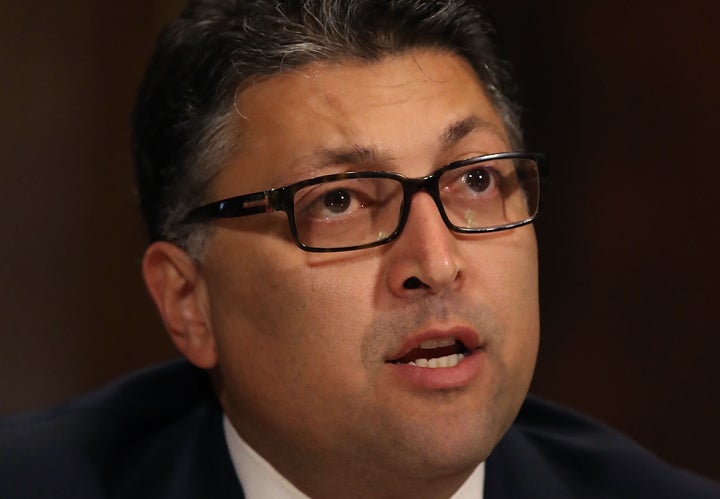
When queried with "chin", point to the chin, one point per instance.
{"points": [[440, 447]]}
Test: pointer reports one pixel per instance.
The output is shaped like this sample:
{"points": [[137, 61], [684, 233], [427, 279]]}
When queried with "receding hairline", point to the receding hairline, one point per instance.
{"points": [[180, 126], [354, 153]]}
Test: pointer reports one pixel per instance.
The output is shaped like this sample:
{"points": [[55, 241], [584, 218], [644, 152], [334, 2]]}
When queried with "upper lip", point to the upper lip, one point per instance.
{"points": [[466, 335]]}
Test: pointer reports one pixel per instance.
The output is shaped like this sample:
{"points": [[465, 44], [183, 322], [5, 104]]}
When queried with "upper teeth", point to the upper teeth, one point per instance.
{"points": [[444, 342]]}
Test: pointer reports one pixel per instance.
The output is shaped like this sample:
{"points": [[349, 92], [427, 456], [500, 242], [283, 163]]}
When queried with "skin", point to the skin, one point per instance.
{"points": [[298, 343]]}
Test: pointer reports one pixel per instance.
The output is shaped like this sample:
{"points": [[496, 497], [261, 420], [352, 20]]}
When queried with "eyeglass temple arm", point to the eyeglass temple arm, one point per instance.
{"points": [[240, 206]]}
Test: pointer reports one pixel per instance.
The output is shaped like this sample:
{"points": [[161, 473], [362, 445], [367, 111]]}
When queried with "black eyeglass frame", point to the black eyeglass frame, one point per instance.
{"points": [[282, 199]]}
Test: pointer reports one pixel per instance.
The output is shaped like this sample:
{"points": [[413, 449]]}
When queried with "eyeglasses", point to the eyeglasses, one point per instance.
{"points": [[352, 211]]}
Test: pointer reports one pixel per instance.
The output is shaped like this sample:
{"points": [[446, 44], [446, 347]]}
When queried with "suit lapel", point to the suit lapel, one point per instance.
{"points": [[516, 470], [186, 458]]}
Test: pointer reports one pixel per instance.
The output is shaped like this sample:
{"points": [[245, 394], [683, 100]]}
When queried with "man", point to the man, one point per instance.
{"points": [[342, 249]]}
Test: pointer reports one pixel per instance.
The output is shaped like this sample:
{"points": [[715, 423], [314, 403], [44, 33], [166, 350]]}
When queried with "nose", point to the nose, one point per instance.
{"points": [[424, 258]]}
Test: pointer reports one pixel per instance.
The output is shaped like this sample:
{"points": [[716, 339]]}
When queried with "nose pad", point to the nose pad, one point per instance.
{"points": [[425, 256]]}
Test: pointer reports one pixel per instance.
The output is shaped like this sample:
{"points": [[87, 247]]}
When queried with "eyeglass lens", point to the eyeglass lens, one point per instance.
{"points": [[358, 211]]}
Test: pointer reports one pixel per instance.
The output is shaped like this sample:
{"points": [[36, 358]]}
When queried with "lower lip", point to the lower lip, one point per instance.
{"points": [[441, 378]]}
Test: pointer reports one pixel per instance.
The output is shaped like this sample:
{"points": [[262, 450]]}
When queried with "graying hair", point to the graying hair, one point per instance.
{"points": [[186, 127]]}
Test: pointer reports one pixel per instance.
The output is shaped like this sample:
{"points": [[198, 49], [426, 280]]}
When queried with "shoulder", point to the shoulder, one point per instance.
{"points": [[574, 456], [139, 403], [97, 445]]}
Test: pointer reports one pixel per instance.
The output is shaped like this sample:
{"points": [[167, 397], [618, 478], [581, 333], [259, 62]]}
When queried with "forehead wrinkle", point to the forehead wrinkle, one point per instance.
{"points": [[366, 157], [356, 157]]}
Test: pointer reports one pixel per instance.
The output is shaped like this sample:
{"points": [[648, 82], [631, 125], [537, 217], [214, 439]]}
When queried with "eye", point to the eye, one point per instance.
{"points": [[478, 179], [337, 201], [472, 182], [345, 200], [333, 201]]}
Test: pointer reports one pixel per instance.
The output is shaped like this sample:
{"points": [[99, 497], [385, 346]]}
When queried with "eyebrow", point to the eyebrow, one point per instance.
{"points": [[366, 157], [460, 129]]}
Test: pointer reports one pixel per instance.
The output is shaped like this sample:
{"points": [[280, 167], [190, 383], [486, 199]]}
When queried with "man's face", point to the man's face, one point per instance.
{"points": [[308, 343]]}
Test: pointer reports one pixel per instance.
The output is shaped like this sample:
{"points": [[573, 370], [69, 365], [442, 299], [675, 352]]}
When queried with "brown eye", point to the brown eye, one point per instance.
{"points": [[337, 201], [478, 180]]}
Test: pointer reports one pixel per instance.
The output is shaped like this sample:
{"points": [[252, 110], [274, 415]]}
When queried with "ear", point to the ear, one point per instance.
{"points": [[178, 290]]}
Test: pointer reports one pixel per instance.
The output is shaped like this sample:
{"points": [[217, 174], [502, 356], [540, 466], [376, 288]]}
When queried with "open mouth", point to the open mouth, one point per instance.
{"points": [[436, 353]]}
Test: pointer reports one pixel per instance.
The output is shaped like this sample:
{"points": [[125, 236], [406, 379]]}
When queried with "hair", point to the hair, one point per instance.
{"points": [[185, 126]]}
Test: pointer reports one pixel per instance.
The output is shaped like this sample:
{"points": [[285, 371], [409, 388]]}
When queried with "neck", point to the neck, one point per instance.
{"points": [[350, 478], [361, 483]]}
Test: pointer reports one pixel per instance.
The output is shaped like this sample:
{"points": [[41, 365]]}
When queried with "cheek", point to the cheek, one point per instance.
{"points": [[282, 303], [514, 275], [289, 343], [513, 287]]}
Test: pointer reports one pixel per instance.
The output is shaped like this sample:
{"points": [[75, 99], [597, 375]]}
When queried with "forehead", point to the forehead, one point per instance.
{"points": [[401, 107]]}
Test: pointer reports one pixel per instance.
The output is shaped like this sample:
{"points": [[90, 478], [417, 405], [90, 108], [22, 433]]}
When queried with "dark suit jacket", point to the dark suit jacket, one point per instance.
{"points": [[158, 434]]}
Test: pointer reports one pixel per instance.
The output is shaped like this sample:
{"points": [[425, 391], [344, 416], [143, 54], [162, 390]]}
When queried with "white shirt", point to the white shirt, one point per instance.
{"points": [[261, 481]]}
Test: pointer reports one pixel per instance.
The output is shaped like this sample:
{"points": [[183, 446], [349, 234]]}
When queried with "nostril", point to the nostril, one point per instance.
{"points": [[414, 283]]}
